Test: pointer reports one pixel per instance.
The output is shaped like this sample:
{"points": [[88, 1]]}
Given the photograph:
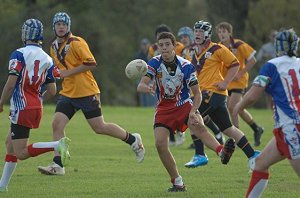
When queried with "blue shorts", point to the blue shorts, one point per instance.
{"points": [[89, 105]]}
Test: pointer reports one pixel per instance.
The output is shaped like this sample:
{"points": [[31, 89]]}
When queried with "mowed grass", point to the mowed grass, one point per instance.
{"points": [[102, 166]]}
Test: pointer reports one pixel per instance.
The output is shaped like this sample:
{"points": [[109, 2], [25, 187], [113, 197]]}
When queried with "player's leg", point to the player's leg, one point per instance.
{"points": [[64, 111], [211, 142], [10, 164], [215, 129], [161, 135], [260, 175], [222, 119], [233, 99]]}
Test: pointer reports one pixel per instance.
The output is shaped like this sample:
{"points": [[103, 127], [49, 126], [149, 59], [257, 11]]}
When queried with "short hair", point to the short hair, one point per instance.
{"points": [[162, 28], [167, 35], [225, 25]]}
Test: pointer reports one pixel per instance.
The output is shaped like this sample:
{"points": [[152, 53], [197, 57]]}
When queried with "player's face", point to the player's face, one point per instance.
{"points": [[185, 40], [224, 35], [60, 28], [167, 49], [199, 36]]}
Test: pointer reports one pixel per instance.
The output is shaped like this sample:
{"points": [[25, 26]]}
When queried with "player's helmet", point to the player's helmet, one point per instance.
{"points": [[186, 31], [32, 30], [205, 26], [286, 43], [62, 17]]}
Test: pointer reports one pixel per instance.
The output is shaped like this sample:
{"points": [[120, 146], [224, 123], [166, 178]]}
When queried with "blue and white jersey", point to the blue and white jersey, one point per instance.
{"points": [[281, 77], [33, 67], [172, 89]]}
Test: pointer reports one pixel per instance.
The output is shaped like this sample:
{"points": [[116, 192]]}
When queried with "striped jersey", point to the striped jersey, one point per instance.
{"points": [[281, 78], [172, 90], [33, 67]]}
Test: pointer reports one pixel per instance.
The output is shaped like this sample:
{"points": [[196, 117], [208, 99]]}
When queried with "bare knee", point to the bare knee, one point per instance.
{"points": [[260, 164], [21, 155], [161, 145]]}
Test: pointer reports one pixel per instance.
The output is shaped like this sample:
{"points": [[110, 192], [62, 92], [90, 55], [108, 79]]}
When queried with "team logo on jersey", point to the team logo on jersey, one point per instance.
{"points": [[13, 63], [207, 55]]}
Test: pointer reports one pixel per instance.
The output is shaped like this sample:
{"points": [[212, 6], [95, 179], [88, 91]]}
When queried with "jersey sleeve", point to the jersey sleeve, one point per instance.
{"points": [[227, 57], [83, 52], [16, 63], [51, 74], [247, 51], [266, 75], [152, 67], [192, 79]]}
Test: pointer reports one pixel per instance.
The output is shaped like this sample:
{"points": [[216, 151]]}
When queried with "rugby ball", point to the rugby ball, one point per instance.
{"points": [[136, 69]]}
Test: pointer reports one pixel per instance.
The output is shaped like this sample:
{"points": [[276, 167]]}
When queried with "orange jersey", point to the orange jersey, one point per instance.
{"points": [[210, 64], [72, 53], [243, 52], [178, 49]]}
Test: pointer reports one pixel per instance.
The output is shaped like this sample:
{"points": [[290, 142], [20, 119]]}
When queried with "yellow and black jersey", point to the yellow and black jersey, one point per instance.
{"points": [[210, 64], [73, 52]]}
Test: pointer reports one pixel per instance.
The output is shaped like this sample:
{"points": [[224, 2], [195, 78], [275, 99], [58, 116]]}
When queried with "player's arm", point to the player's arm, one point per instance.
{"points": [[7, 90], [197, 98], [144, 86], [50, 91], [254, 93], [76, 70]]}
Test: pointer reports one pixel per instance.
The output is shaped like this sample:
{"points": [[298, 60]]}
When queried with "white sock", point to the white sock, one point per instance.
{"points": [[178, 181], [8, 171], [45, 144]]}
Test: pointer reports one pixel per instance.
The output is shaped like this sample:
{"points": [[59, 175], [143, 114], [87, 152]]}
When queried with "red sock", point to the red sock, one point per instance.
{"points": [[257, 184], [218, 149], [37, 151], [10, 158]]}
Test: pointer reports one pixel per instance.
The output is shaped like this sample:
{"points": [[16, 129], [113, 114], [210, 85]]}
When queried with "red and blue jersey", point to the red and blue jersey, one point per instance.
{"points": [[172, 90], [33, 67], [281, 78]]}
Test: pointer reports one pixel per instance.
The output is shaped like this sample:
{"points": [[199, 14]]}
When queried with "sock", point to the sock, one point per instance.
{"points": [[246, 147], [253, 126], [199, 147], [8, 169], [172, 137], [219, 149], [57, 160], [129, 139], [177, 181], [212, 126], [258, 183], [36, 149]]}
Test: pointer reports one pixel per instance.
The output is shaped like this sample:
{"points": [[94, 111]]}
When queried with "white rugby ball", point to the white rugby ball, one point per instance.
{"points": [[136, 69]]}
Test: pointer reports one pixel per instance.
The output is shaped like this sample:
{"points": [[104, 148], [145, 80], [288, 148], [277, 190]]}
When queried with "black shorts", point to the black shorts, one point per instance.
{"points": [[19, 132], [89, 105], [215, 106], [240, 91]]}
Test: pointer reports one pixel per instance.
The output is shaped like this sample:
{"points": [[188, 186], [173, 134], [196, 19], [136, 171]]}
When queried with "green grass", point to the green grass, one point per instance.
{"points": [[105, 167]]}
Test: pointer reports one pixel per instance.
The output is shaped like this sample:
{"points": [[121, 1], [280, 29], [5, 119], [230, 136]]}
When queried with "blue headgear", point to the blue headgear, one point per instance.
{"points": [[286, 43], [205, 26], [186, 31], [32, 30], [62, 17]]}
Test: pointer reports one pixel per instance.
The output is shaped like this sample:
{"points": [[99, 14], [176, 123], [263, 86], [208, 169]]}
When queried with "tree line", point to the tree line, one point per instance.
{"points": [[114, 28]]}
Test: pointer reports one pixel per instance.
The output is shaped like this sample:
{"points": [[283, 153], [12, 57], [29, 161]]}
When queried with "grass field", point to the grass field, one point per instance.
{"points": [[105, 167]]}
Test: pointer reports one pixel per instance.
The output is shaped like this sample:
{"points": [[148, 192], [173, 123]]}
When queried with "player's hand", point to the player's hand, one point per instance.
{"points": [[64, 73], [222, 86], [195, 118], [152, 90], [238, 76]]}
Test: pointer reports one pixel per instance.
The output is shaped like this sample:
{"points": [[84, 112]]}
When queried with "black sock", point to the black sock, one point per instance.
{"points": [[57, 160], [212, 126], [129, 138], [199, 147], [172, 137], [246, 147], [253, 126]]}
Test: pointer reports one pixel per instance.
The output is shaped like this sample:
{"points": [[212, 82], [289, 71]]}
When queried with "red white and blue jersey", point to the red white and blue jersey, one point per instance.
{"points": [[281, 77], [33, 67], [172, 90]]}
